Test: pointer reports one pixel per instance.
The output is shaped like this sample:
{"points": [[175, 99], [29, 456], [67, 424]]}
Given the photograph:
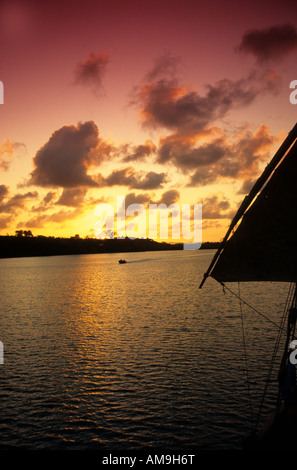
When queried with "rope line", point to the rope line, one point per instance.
{"points": [[281, 330], [288, 303], [253, 308], [245, 356]]}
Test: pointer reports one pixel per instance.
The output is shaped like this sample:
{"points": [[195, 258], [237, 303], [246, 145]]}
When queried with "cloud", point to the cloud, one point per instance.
{"points": [[92, 70], [5, 221], [73, 197], [4, 190], [246, 186], [42, 219], [186, 153], [71, 151], [64, 160], [164, 103], [169, 197], [133, 198], [203, 177], [49, 197], [16, 202], [195, 143], [138, 152], [247, 152], [134, 179], [165, 65], [241, 157], [216, 208], [7, 150], [46, 202], [272, 43]]}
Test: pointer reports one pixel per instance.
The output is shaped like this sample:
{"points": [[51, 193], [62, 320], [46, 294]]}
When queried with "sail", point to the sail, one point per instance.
{"points": [[264, 245]]}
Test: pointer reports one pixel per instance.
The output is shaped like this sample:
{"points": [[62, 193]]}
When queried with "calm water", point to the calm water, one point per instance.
{"points": [[104, 356]]}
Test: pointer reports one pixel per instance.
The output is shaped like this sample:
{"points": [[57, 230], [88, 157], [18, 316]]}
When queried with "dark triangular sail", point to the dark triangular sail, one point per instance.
{"points": [[264, 245]]}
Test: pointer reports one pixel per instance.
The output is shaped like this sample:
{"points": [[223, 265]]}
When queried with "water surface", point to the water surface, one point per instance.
{"points": [[106, 356]]}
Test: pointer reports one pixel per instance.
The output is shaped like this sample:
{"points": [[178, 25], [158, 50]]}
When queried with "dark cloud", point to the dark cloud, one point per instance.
{"points": [[133, 198], [71, 151], [169, 197], [65, 159], [246, 153], [133, 179], [45, 203], [233, 157], [73, 197], [49, 197], [166, 104], [148, 181], [16, 202], [186, 154], [92, 70], [194, 141], [4, 190], [246, 186], [144, 199], [271, 43], [241, 158], [138, 152], [216, 208], [5, 221], [203, 177]]}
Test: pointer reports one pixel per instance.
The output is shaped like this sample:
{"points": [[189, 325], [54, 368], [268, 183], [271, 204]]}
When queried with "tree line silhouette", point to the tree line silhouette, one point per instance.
{"points": [[24, 243]]}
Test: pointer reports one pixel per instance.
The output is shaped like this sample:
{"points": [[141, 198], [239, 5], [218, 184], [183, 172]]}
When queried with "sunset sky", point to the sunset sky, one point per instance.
{"points": [[157, 101]]}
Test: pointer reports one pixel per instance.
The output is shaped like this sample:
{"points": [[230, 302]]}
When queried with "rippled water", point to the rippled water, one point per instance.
{"points": [[104, 356]]}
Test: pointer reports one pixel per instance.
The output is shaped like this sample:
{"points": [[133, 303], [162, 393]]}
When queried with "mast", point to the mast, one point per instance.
{"points": [[254, 191]]}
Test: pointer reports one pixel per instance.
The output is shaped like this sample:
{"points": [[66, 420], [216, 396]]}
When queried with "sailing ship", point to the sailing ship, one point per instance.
{"points": [[261, 246]]}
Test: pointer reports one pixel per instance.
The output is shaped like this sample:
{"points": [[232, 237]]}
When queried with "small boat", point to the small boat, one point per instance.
{"points": [[260, 246], [122, 261]]}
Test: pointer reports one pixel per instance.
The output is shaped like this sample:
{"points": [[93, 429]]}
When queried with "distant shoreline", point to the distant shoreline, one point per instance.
{"points": [[22, 246]]}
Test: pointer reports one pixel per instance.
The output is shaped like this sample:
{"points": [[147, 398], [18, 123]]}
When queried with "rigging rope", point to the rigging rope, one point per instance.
{"points": [[245, 355], [281, 329], [288, 303], [253, 308]]}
